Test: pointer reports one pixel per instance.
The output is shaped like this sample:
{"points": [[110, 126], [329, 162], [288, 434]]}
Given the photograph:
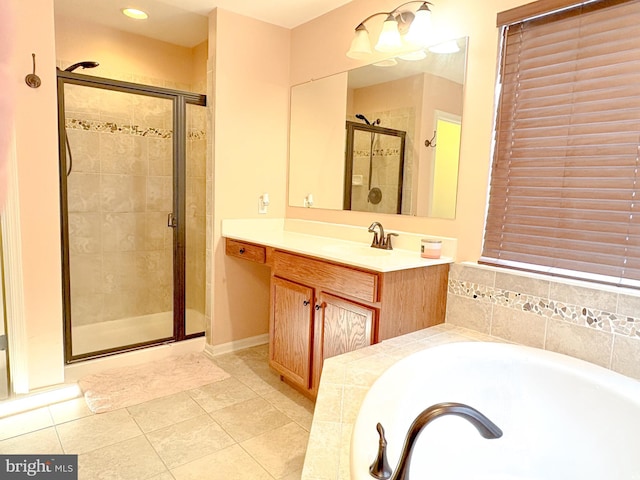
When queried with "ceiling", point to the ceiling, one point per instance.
{"points": [[184, 22]]}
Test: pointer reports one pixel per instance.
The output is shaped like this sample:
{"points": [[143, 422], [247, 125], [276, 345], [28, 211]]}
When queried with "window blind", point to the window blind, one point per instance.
{"points": [[565, 182]]}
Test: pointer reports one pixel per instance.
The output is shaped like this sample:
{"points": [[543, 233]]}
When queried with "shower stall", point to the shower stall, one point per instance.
{"points": [[374, 167], [133, 206]]}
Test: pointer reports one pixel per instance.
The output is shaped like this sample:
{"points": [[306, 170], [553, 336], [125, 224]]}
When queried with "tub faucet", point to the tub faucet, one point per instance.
{"points": [[381, 471]]}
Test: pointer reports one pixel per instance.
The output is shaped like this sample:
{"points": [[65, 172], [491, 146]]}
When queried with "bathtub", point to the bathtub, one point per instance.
{"points": [[562, 418]]}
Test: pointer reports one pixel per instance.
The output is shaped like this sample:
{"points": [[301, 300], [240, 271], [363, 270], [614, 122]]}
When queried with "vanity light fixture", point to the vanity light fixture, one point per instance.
{"points": [[135, 13], [401, 31]]}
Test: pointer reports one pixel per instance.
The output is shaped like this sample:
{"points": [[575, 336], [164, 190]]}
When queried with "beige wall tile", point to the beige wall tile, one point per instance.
{"points": [[626, 356], [518, 326], [469, 313], [123, 154], [522, 284], [588, 297], [628, 305], [123, 232], [160, 151], [468, 273], [123, 193], [85, 150], [581, 342], [85, 232], [83, 192], [86, 273]]}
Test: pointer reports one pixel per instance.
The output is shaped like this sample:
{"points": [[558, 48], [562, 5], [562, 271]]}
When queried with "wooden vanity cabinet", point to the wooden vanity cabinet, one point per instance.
{"points": [[291, 330], [320, 309], [324, 307]]}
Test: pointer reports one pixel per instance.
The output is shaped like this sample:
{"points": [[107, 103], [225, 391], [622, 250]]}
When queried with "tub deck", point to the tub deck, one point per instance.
{"points": [[344, 384]]}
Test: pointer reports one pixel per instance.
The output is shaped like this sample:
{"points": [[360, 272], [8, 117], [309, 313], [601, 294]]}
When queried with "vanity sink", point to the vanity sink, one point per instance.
{"points": [[360, 250]]}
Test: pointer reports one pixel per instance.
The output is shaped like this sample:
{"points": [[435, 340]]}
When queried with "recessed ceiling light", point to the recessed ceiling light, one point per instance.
{"points": [[135, 13]]}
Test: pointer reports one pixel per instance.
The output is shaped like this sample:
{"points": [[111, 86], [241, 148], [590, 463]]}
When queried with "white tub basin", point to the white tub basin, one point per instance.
{"points": [[562, 418]]}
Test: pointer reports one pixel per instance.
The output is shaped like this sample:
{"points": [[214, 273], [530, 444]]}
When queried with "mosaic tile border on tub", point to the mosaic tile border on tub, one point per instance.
{"points": [[548, 308]]}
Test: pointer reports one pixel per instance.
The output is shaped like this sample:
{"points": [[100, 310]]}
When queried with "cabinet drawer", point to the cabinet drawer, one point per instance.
{"points": [[248, 251], [347, 281]]}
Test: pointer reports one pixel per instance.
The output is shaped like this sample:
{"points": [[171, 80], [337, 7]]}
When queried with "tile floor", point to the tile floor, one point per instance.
{"points": [[250, 426]]}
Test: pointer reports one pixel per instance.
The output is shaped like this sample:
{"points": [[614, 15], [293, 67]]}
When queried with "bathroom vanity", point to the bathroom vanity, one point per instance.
{"points": [[330, 297]]}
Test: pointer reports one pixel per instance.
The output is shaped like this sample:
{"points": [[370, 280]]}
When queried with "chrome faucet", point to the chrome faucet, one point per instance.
{"points": [[379, 239], [379, 468]]}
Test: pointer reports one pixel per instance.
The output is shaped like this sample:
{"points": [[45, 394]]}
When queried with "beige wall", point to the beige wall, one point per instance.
{"points": [[318, 110], [318, 49], [125, 56], [35, 123], [250, 67]]}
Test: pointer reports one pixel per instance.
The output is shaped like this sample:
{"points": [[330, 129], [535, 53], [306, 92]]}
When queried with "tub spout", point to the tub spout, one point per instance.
{"points": [[485, 427]]}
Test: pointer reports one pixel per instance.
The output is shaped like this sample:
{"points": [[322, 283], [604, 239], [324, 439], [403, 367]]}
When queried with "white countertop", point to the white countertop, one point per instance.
{"points": [[354, 253]]}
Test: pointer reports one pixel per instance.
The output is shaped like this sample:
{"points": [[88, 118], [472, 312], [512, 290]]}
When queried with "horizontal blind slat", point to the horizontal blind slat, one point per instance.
{"points": [[566, 170]]}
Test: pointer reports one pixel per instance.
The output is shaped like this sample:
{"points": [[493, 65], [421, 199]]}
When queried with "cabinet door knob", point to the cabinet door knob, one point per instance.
{"points": [[306, 303], [318, 307], [242, 250]]}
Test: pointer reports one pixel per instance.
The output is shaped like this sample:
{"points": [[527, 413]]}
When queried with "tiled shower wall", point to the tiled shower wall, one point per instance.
{"points": [[119, 195], [386, 152], [600, 325]]}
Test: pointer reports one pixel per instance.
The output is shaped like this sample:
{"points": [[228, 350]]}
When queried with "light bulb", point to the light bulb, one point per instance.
{"points": [[389, 39], [360, 45], [420, 30]]}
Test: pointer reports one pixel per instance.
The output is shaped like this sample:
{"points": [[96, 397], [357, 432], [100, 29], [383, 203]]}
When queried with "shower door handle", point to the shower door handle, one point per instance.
{"points": [[171, 221]]}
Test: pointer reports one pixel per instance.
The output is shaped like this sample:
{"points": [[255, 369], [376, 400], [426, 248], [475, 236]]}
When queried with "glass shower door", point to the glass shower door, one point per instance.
{"points": [[195, 220], [119, 199]]}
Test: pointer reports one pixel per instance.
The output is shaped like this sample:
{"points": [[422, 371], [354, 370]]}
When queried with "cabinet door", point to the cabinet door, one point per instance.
{"points": [[346, 326], [291, 330]]}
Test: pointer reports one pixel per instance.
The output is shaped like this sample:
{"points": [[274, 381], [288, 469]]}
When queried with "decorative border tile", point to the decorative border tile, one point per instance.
{"points": [[111, 127], [545, 307]]}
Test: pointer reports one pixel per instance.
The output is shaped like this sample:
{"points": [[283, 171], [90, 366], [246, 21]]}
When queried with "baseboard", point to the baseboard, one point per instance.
{"points": [[214, 350]]}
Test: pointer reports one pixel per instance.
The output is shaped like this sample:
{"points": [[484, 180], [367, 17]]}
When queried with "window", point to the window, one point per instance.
{"points": [[565, 182]]}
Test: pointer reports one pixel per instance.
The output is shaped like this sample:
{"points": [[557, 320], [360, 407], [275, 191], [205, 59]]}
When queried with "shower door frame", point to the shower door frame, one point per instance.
{"points": [[351, 128], [179, 99]]}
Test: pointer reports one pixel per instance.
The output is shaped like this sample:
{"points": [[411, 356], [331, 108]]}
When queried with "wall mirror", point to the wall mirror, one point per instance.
{"points": [[381, 138]]}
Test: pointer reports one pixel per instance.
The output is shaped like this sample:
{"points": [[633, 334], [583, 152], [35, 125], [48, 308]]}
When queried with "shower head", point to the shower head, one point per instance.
{"points": [[359, 116], [85, 64]]}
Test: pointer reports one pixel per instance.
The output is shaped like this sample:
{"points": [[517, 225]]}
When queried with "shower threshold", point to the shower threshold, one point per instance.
{"points": [[112, 334]]}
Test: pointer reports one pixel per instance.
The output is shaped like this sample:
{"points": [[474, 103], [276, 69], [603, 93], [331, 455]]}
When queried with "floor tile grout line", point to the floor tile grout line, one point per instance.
{"points": [[267, 390]]}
